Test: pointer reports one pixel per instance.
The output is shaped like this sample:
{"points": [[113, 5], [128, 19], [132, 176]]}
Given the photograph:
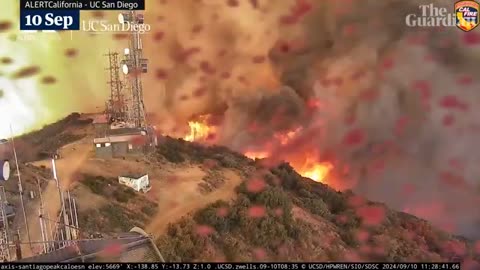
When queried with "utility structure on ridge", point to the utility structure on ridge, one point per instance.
{"points": [[130, 135], [133, 65], [117, 106]]}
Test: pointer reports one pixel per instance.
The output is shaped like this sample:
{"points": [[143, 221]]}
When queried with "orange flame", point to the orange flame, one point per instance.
{"points": [[317, 171], [304, 165], [199, 130], [256, 154]]}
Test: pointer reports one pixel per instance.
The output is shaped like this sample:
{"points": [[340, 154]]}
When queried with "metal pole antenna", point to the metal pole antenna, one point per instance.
{"points": [[43, 227], [20, 189], [62, 201]]}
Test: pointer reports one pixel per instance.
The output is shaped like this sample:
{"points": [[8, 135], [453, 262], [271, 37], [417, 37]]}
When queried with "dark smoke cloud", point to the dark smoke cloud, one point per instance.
{"points": [[397, 105], [410, 98]]}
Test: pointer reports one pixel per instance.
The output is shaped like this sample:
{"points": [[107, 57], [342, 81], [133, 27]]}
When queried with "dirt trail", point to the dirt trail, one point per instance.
{"points": [[174, 187], [185, 198]]}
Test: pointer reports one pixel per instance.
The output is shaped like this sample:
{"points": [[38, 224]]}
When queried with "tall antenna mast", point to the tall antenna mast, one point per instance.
{"points": [[135, 64], [43, 224], [116, 106], [63, 212], [20, 189]]}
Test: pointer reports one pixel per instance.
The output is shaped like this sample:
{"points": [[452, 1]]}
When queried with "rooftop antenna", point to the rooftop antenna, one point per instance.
{"points": [[20, 189]]}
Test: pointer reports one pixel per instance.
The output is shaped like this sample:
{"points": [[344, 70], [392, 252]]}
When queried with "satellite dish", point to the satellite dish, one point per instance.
{"points": [[125, 69], [5, 167], [121, 18], [127, 51]]}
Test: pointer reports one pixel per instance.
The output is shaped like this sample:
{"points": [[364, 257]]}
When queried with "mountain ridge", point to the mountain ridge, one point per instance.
{"points": [[271, 214]]}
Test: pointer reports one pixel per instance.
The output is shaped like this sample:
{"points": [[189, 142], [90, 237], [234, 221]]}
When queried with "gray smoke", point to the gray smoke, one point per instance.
{"points": [[396, 105]]}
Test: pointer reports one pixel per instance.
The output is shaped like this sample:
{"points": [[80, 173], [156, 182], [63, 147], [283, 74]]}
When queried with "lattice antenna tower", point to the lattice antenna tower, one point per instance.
{"points": [[4, 232], [117, 109], [134, 64]]}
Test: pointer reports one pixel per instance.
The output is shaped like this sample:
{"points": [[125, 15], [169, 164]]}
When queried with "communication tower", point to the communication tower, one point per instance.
{"points": [[133, 65], [117, 109]]}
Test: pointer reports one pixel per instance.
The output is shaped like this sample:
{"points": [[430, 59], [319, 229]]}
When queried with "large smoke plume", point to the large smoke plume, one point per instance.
{"points": [[391, 106]]}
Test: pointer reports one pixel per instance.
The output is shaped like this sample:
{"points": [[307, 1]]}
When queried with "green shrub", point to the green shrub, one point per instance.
{"points": [[96, 184], [274, 198], [349, 237], [115, 217], [316, 206], [209, 216], [171, 150], [182, 243], [120, 196], [289, 178], [149, 210]]}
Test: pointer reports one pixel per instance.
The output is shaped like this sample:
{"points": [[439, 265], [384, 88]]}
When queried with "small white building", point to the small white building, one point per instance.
{"points": [[141, 183]]}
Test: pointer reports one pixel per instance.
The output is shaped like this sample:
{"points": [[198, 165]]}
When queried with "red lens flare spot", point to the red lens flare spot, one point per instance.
{"points": [[388, 63], [233, 3], [356, 201], [370, 94], [257, 211], [477, 247], [71, 52], [161, 74], [465, 80], [471, 38], [401, 125], [408, 189], [256, 185], [113, 250], [448, 120], [371, 215], [423, 88], [158, 36], [259, 253], [354, 137], [204, 230], [259, 59], [222, 211]]}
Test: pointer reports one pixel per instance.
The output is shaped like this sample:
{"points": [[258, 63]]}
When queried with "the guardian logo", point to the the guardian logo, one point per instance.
{"points": [[105, 26], [431, 16]]}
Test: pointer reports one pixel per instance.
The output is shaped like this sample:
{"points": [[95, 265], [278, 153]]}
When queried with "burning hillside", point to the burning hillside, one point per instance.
{"points": [[306, 163], [342, 90], [385, 112], [228, 207]]}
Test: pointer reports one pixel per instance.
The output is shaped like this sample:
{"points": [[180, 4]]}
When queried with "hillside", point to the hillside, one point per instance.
{"points": [[212, 204]]}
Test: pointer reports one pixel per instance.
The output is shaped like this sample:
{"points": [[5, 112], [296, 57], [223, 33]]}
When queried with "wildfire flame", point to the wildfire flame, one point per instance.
{"points": [[317, 171], [256, 154], [198, 131], [306, 166]]}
